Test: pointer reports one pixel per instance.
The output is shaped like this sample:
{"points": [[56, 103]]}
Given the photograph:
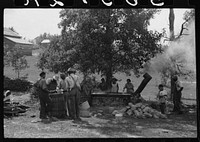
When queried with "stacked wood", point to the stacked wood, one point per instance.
{"points": [[12, 109], [140, 110]]}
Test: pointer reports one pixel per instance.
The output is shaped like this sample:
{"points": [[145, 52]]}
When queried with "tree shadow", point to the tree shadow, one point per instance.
{"points": [[134, 126]]}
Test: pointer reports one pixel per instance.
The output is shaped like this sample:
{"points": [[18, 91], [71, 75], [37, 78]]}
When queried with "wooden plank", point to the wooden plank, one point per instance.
{"points": [[188, 99]]}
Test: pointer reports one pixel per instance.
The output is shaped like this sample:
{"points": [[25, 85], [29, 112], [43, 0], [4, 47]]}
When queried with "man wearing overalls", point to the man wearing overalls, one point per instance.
{"points": [[73, 85]]}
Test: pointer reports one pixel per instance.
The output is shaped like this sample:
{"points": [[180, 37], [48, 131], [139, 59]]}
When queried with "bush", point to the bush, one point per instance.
{"points": [[34, 92], [19, 85]]}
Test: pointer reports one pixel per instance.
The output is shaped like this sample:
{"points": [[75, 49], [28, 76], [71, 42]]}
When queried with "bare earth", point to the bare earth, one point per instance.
{"points": [[99, 126]]}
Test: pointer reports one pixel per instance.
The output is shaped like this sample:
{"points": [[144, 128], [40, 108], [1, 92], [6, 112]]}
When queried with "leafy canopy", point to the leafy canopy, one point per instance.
{"points": [[104, 40]]}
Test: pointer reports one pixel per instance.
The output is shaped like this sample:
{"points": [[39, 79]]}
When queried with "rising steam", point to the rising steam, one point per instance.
{"points": [[179, 52]]}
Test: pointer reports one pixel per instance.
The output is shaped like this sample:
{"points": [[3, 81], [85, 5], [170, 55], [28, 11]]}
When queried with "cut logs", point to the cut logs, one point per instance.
{"points": [[140, 110], [12, 109]]}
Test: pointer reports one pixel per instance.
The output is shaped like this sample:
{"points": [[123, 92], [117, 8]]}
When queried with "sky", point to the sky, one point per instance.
{"points": [[30, 23]]}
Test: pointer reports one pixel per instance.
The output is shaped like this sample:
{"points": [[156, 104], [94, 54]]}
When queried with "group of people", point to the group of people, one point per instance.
{"points": [[70, 86], [115, 86], [162, 96]]}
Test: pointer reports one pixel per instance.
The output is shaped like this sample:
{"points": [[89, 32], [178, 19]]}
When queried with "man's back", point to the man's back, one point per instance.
{"points": [[71, 80]]}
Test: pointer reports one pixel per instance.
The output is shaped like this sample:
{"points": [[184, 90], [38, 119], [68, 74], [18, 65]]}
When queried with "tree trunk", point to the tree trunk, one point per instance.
{"points": [[171, 24], [109, 74], [171, 29], [109, 41]]}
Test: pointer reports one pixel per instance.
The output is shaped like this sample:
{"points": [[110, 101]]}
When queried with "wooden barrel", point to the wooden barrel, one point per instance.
{"points": [[58, 105]]}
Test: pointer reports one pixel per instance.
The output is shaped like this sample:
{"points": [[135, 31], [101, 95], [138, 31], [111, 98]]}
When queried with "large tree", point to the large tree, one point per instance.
{"points": [[54, 58], [107, 40]]}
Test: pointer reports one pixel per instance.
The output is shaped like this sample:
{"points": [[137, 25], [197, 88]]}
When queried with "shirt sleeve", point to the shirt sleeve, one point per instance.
{"points": [[44, 85], [78, 82], [157, 96], [125, 86], [67, 83], [178, 85]]}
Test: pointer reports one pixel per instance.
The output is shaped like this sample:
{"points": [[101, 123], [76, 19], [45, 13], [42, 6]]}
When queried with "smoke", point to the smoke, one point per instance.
{"points": [[180, 52]]}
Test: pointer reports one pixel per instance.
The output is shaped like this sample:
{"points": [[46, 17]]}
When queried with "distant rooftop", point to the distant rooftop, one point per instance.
{"points": [[14, 37], [46, 41], [18, 40], [9, 32]]}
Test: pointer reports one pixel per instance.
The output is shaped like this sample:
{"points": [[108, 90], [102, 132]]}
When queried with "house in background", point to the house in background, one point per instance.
{"points": [[45, 43], [13, 39]]}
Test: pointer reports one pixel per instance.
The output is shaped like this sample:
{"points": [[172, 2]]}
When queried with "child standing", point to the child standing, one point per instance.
{"points": [[162, 97]]}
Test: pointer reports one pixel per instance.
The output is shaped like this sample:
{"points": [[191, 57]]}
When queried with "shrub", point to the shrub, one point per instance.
{"points": [[19, 85], [33, 92]]}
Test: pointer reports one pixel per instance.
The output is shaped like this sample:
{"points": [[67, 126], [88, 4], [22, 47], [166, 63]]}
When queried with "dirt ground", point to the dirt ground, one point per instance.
{"points": [[101, 125]]}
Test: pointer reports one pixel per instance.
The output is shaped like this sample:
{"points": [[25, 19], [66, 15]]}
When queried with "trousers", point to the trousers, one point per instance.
{"points": [[73, 102], [177, 101], [45, 105], [162, 107]]}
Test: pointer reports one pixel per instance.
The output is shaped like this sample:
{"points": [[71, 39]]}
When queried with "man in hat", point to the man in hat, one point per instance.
{"points": [[177, 95], [51, 83], [73, 85], [45, 101]]}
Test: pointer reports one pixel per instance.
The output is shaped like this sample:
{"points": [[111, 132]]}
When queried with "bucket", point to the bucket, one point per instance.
{"points": [[58, 105], [84, 106]]}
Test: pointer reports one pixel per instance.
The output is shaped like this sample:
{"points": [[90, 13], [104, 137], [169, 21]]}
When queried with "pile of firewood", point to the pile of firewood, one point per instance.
{"points": [[139, 110], [14, 108]]}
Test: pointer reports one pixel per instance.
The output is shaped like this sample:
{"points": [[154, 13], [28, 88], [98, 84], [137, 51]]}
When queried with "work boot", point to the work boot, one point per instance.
{"points": [[45, 121], [51, 118], [78, 119]]}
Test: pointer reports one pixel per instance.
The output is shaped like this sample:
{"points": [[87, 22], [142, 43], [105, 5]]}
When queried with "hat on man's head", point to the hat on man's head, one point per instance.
{"points": [[7, 93], [42, 73], [71, 70], [175, 77], [56, 77]]}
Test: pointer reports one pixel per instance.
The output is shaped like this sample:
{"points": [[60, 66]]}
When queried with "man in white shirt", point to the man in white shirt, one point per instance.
{"points": [[74, 87]]}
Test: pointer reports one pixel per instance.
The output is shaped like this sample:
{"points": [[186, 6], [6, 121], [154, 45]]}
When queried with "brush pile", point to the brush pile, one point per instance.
{"points": [[12, 108], [139, 110]]}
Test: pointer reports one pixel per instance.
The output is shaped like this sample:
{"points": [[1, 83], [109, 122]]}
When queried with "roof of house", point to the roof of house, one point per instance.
{"points": [[14, 37], [46, 41], [18, 40], [9, 32]]}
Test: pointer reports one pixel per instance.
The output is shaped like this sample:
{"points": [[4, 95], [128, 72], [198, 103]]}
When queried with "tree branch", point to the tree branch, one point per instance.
{"points": [[182, 29]]}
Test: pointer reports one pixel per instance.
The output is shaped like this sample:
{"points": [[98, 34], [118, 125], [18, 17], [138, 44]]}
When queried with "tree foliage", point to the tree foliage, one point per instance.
{"points": [[14, 57], [54, 58], [189, 15], [106, 40]]}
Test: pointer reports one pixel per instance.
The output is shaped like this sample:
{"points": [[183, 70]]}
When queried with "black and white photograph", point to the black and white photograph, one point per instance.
{"points": [[99, 73]]}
